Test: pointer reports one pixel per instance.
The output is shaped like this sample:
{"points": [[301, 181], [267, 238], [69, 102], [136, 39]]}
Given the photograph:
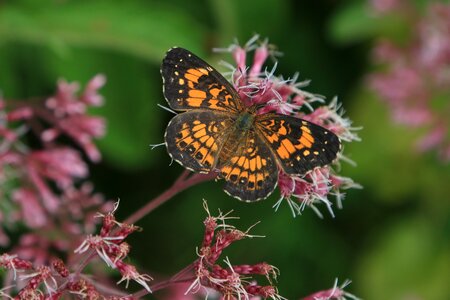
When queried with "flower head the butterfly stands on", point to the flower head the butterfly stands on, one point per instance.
{"points": [[258, 86]]}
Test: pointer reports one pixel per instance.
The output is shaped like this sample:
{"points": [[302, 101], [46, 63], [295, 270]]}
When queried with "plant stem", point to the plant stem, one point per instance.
{"points": [[183, 182]]}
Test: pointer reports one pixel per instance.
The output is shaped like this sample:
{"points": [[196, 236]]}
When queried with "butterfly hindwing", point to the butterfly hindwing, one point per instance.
{"points": [[190, 82], [251, 172], [299, 145], [194, 138]]}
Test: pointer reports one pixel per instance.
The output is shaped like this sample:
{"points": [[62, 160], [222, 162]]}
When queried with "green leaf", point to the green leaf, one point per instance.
{"points": [[388, 161], [243, 19], [410, 259], [355, 22], [77, 39], [132, 92], [143, 30]]}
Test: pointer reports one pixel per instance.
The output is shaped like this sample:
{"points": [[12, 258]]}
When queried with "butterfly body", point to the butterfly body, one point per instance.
{"points": [[215, 131]]}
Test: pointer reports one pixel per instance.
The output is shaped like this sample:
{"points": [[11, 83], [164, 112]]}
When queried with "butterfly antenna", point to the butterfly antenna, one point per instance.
{"points": [[166, 108], [153, 146]]}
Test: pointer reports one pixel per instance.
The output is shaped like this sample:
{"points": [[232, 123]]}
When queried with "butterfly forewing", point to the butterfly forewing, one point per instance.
{"points": [[190, 83], [299, 145]]}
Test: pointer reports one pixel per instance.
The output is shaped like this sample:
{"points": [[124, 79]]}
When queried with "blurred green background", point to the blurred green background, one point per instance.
{"points": [[392, 237]]}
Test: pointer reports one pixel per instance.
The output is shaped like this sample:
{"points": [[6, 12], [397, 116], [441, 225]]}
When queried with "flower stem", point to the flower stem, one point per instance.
{"points": [[183, 182]]}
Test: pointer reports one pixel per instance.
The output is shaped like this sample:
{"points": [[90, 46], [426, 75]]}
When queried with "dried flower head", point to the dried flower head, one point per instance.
{"points": [[231, 281], [112, 249]]}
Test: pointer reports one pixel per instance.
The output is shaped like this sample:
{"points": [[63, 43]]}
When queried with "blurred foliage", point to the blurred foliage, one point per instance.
{"points": [[391, 239]]}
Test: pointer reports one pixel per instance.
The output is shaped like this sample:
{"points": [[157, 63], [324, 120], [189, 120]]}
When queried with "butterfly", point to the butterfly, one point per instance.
{"points": [[215, 131]]}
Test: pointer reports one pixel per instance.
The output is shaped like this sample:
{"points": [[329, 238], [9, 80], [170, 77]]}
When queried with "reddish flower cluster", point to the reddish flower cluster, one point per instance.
{"points": [[53, 280], [231, 281], [416, 75], [286, 96], [110, 246]]}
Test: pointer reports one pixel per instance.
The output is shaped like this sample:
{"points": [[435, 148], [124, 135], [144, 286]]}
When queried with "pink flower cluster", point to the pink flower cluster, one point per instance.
{"points": [[231, 281], [54, 280], [286, 96], [41, 184], [415, 79], [109, 245]]}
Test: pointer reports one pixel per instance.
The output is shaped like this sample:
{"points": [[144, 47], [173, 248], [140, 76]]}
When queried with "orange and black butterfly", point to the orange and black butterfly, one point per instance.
{"points": [[215, 131]]}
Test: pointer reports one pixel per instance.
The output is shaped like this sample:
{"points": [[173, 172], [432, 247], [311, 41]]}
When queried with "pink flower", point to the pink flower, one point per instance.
{"points": [[65, 101], [69, 110], [129, 272], [90, 94], [112, 249], [43, 186], [32, 210], [11, 262], [61, 165], [42, 275]]}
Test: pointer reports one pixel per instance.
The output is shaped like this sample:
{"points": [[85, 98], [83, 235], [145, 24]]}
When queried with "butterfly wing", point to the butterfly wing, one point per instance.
{"points": [[250, 172], [190, 82], [194, 138], [299, 145]]}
